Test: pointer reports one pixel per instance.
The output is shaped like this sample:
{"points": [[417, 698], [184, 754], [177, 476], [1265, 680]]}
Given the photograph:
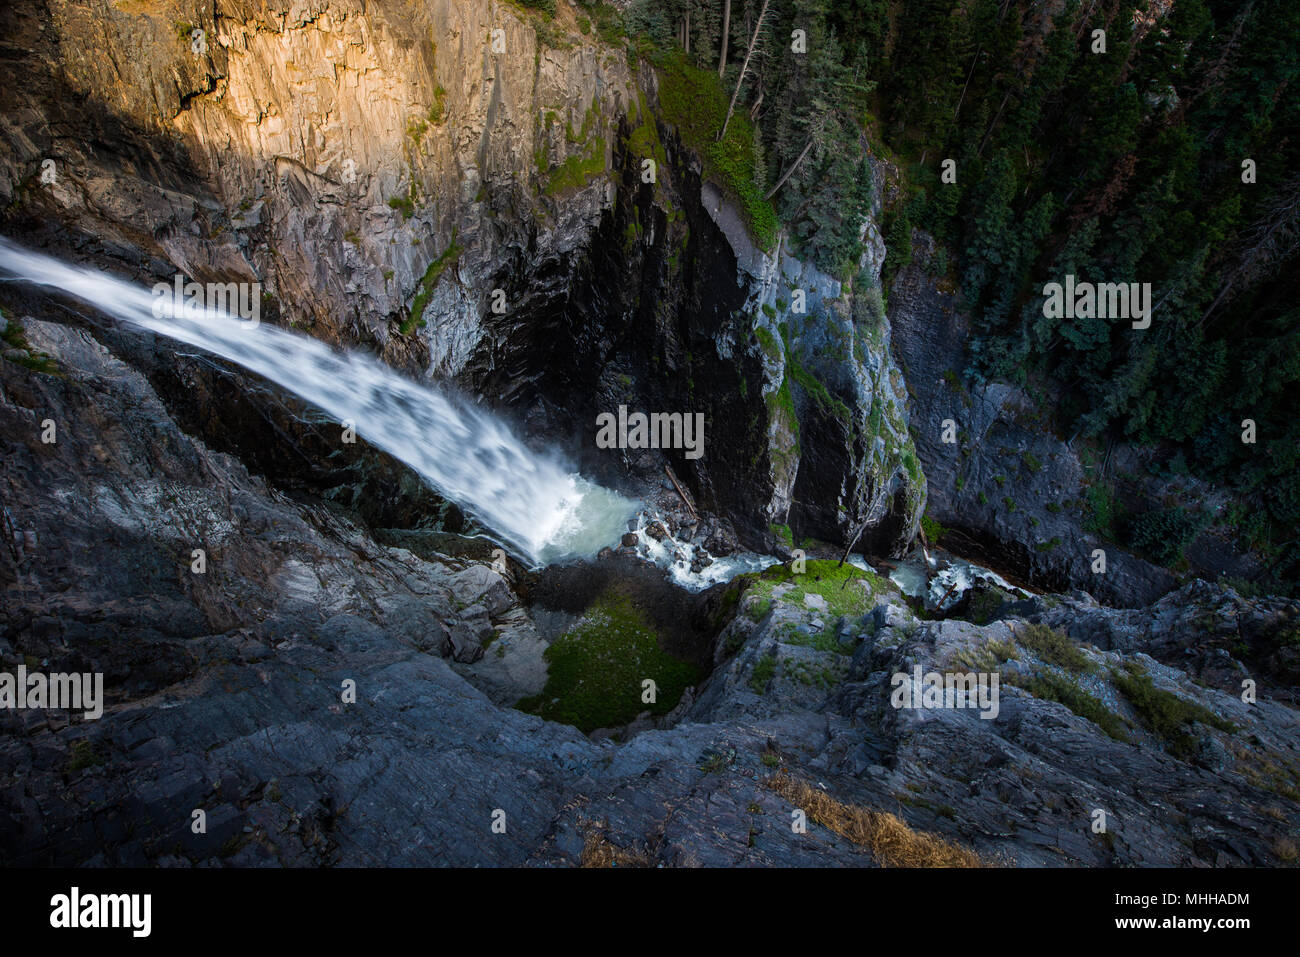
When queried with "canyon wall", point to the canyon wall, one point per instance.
{"points": [[457, 186]]}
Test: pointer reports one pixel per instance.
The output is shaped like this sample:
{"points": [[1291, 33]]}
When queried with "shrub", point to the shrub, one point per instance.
{"points": [[1163, 535], [1168, 716]]}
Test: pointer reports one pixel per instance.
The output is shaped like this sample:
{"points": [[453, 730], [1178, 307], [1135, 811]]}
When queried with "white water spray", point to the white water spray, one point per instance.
{"points": [[537, 506]]}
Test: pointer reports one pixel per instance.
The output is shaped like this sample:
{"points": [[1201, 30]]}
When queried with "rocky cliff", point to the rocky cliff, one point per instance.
{"points": [[225, 693], [1010, 489], [472, 205], [458, 186]]}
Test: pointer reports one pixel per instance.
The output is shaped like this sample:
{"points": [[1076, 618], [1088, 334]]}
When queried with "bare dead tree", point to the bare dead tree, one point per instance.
{"points": [[726, 32], [815, 134], [1271, 240], [744, 67]]}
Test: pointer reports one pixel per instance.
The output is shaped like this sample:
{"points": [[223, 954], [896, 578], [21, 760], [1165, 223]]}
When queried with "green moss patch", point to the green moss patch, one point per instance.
{"points": [[597, 666], [847, 589], [826, 403], [644, 140], [428, 282], [694, 101], [578, 168]]}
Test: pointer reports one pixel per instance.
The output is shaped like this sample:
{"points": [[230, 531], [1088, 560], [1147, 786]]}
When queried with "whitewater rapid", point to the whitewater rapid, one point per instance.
{"points": [[540, 509]]}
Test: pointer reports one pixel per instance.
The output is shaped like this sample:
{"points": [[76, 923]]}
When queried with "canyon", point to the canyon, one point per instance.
{"points": [[456, 190]]}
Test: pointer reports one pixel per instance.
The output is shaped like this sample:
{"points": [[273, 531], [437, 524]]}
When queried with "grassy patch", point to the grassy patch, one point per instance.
{"points": [[1050, 686], [599, 851], [1054, 648], [1168, 716], [546, 7], [597, 666], [763, 671], [83, 755], [438, 108], [757, 610], [824, 640], [15, 338], [1100, 510], [888, 837], [987, 658]]}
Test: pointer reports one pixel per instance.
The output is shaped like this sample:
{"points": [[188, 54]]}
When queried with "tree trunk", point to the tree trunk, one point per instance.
{"points": [[744, 68], [793, 166], [726, 33]]}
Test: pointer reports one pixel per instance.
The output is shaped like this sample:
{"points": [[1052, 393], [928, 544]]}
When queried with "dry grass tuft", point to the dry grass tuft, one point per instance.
{"points": [[887, 836], [1286, 850], [599, 851]]}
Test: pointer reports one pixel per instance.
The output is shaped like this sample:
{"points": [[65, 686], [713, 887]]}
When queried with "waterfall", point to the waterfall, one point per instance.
{"points": [[538, 507]]}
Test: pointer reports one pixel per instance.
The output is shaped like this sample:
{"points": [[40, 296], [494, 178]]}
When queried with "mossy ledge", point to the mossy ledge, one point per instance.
{"points": [[597, 668]]}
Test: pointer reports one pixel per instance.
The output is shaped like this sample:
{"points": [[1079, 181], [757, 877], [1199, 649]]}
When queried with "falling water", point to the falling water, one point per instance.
{"points": [[537, 506]]}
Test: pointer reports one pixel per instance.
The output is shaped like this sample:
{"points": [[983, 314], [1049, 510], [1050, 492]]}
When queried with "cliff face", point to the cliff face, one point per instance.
{"points": [[372, 180], [458, 186], [333, 150]]}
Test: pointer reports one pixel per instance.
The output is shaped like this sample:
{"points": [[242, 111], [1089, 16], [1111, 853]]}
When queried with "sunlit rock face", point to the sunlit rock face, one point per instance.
{"points": [[334, 149]]}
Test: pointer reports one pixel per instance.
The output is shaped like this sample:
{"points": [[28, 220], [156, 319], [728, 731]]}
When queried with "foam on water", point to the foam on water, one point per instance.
{"points": [[949, 576], [678, 557], [539, 508]]}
